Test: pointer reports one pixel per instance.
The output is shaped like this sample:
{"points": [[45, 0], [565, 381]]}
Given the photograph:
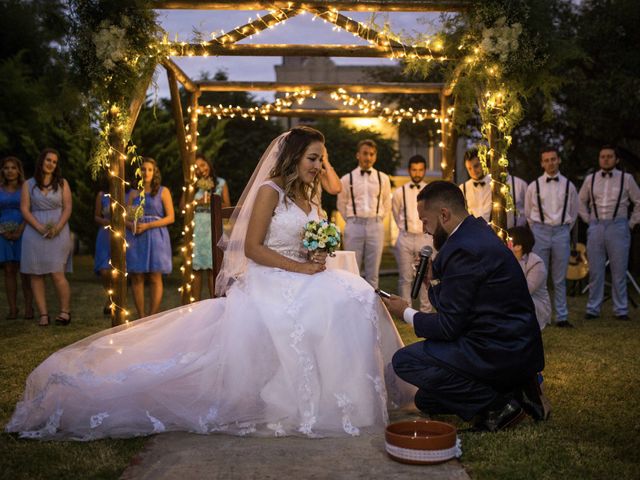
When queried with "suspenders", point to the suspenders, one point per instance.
{"points": [[539, 201], [593, 198], [353, 200], [564, 207], [404, 206], [513, 195]]}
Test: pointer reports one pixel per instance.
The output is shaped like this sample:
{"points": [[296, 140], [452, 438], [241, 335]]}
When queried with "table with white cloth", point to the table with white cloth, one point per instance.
{"points": [[344, 260]]}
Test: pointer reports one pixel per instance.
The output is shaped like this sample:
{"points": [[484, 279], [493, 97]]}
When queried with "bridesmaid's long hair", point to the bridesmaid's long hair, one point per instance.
{"points": [[157, 178], [295, 144], [56, 177], [16, 161]]}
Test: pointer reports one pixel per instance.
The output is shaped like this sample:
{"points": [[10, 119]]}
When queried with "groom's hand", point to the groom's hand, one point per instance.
{"points": [[396, 305]]}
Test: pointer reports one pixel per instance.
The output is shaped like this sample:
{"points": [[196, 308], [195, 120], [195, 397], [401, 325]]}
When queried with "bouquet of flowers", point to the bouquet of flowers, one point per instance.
{"points": [[321, 236], [8, 227], [205, 183]]}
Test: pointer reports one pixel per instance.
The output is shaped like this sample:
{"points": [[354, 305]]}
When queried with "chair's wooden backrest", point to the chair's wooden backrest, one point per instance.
{"points": [[218, 214]]}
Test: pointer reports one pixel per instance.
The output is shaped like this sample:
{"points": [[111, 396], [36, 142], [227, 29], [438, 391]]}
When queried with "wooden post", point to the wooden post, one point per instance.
{"points": [[118, 228], [188, 173], [448, 138], [498, 180], [117, 241]]}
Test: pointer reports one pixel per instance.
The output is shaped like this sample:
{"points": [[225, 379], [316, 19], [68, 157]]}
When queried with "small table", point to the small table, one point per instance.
{"points": [[344, 260]]}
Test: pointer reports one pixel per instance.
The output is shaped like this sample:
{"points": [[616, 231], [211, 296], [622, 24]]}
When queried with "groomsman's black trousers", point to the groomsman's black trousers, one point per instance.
{"points": [[441, 390]]}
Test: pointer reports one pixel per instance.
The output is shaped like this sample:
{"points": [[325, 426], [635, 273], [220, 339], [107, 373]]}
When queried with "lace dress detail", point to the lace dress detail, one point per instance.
{"points": [[283, 354]]}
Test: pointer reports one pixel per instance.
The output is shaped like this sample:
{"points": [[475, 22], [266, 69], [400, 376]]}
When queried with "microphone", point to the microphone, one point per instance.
{"points": [[425, 254]]}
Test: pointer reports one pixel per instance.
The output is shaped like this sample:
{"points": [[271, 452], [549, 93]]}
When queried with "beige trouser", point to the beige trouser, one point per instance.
{"points": [[407, 253], [365, 236]]}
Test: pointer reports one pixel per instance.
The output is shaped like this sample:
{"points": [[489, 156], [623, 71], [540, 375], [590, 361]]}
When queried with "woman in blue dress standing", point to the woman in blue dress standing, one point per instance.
{"points": [[11, 228], [149, 252], [207, 184], [45, 204]]}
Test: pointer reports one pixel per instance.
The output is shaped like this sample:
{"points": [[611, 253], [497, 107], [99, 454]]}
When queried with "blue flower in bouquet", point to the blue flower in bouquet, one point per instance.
{"points": [[321, 236]]}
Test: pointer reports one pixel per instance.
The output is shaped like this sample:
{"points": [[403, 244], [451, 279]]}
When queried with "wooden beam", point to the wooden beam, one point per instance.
{"points": [[313, 113], [178, 120], [349, 5], [380, 87], [256, 26], [182, 77], [295, 50]]}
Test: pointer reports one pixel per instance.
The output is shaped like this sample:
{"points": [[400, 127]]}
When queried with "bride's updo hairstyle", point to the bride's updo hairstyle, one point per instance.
{"points": [[295, 144]]}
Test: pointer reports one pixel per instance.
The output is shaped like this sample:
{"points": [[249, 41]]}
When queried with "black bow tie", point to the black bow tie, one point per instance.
{"points": [[475, 184], [607, 174], [362, 172], [414, 185], [553, 179]]}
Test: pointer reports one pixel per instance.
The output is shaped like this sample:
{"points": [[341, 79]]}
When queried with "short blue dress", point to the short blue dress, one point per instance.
{"points": [[40, 255], [103, 243], [151, 250], [202, 252], [10, 215]]}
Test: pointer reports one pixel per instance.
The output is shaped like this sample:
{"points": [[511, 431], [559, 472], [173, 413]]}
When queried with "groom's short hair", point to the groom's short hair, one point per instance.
{"points": [[445, 193]]}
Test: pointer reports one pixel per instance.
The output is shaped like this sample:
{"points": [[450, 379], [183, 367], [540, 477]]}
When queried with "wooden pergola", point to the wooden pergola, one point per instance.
{"points": [[226, 45]]}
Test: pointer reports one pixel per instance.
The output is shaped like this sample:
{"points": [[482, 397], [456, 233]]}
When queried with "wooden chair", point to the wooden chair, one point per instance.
{"points": [[218, 214]]}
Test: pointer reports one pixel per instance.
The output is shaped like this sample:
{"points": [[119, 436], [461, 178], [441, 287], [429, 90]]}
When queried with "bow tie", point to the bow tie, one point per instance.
{"points": [[553, 179], [482, 183], [362, 172], [414, 185], [607, 174]]}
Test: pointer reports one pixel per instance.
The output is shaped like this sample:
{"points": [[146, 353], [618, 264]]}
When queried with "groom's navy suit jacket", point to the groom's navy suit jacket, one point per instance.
{"points": [[486, 326]]}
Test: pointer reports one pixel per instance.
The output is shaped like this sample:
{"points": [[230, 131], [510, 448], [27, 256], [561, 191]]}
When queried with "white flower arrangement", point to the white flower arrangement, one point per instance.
{"points": [[501, 39], [321, 236], [111, 43]]}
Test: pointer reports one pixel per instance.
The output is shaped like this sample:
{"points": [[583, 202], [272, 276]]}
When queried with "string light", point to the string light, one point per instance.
{"points": [[263, 111]]}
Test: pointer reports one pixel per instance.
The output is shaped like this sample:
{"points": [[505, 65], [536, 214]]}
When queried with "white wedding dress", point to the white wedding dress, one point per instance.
{"points": [[283, 354]]}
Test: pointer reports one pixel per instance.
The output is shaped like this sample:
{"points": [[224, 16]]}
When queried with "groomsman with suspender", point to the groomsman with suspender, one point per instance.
{"points": [[605, 197], [551, 208], [518, 188], [411, 237], [364, 202], [477, 190]]}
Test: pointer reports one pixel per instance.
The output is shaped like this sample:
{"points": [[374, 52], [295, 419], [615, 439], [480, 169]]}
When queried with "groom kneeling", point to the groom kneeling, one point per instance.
{"points": [[483, 347]]}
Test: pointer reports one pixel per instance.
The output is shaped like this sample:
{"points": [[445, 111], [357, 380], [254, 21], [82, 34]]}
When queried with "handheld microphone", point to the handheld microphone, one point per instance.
{"points": [[425, 254]]}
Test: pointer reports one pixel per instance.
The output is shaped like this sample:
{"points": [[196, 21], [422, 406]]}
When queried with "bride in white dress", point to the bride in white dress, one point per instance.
{"points": [[291, 350]]}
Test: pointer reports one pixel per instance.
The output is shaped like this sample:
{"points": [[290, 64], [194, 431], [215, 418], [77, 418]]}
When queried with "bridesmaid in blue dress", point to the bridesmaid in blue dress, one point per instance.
{"points": [[102, 216], [11, 228], [149, 252], [202, 259], [46, 243]]}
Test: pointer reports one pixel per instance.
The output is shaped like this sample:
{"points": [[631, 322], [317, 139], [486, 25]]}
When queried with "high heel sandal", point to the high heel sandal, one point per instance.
{"points": [[60, 320], [40, 324]]}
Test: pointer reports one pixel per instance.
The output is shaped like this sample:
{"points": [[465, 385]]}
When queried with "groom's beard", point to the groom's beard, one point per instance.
{"points": [[440, 236]]}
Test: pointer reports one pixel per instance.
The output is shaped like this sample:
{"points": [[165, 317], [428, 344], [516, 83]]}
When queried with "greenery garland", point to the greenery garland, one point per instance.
{"points": [[114, 46], [499, 59]]}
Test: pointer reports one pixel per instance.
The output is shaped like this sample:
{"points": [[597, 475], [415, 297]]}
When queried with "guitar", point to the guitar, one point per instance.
{"points": [[578, 264]]}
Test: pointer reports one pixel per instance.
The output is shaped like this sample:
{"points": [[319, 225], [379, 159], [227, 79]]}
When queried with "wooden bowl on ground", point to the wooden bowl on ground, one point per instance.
{"points": [[421, 442]]}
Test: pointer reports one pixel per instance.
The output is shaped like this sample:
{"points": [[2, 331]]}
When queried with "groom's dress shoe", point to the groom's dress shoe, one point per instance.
{"points": [[495, 420], [533, 400]]}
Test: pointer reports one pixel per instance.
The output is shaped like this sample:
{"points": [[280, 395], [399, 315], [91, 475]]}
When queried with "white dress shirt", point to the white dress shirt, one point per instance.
{"points": [[552, 195], [399, 208], [606, 189], [478, 197], [365, 193]]}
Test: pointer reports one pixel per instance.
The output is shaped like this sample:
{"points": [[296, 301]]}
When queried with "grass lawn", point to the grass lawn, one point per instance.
{"points": [[591, 378]]}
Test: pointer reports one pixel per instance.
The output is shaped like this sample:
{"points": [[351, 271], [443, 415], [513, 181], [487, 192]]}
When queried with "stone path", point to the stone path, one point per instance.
{"points": [[184, 456]]}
